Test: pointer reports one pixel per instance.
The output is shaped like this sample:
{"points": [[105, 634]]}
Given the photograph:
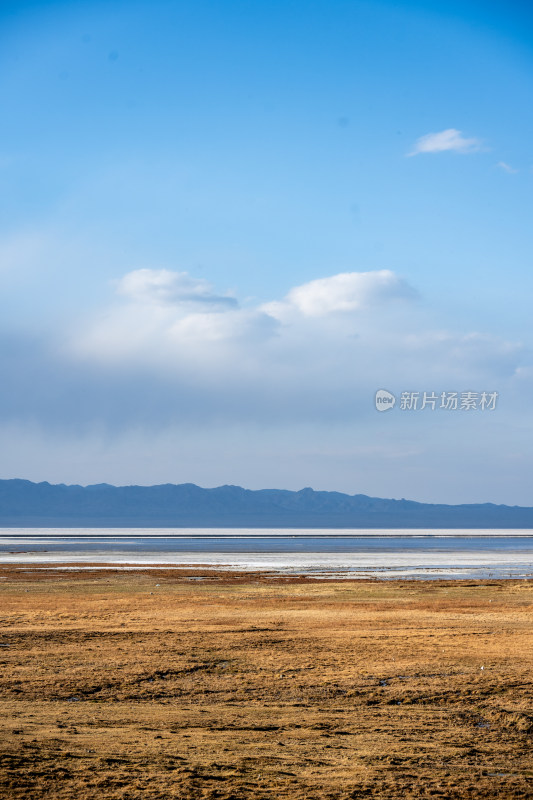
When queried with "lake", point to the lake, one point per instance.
{"points": [[317, 553]]}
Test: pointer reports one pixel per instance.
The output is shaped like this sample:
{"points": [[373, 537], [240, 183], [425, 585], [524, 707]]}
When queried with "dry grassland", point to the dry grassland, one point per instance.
{"points": [[247, 687]]}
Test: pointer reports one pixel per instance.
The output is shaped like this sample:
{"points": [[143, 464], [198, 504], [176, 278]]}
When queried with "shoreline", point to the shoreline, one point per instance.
{"points": [[263, 570], [206, 572]]}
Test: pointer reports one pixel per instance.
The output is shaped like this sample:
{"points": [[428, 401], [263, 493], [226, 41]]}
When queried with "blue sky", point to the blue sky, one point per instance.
{"points": [[182, 183]]}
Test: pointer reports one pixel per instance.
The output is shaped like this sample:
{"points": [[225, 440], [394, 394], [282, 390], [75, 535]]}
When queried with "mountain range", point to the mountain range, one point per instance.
{"points": [[27, 504]]}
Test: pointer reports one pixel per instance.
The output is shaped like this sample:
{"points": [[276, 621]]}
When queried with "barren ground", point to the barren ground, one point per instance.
{"points": [[246, 687]]}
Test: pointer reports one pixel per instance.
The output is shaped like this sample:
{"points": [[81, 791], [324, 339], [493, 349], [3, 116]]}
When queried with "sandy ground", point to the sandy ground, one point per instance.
{"points": [[245, 687]]}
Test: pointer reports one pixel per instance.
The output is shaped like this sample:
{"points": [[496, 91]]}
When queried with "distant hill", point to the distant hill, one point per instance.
{"points": [[27, 504]]}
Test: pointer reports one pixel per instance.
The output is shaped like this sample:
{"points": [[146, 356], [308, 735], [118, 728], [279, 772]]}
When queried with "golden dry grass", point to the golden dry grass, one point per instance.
{"points": [[246, 687]]}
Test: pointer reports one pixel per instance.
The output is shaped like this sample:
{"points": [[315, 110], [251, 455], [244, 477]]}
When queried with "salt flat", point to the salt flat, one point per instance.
{"points": [[385, 554]]}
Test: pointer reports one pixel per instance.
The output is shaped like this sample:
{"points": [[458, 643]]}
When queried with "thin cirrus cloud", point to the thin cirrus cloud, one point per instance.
{"points": [[448, 140], [506, 167]]}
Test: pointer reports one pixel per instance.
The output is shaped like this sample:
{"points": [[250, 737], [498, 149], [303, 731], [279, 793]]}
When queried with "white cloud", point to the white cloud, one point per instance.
{"points": [[450, 139], [325, 343], [171, 321], [165, 287], [506, 167], [345, 292]]}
